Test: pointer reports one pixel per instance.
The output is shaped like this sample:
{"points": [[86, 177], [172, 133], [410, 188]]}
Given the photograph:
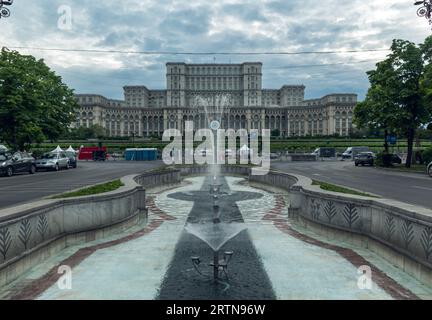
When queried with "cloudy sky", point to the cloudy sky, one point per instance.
{"points": [[211, 26]]}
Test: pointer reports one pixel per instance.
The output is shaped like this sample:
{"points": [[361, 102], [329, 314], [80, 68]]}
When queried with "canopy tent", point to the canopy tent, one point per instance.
{"points": [[245, 151], [57, 150], [70, 149]]}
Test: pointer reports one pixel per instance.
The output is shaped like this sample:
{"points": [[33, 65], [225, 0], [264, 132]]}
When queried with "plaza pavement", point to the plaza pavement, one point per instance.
{"points": [[298, 265]]}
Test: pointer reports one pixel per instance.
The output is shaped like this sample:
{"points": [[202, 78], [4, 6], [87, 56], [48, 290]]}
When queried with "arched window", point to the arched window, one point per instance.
{"points": [[243, 122]]}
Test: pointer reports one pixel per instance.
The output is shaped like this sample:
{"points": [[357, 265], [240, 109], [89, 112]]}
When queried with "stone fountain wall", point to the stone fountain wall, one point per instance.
{"points": [[399, 232], [31, 233]]}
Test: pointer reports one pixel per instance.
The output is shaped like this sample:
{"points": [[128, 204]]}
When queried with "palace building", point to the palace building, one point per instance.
{"points": [[238, 87]]}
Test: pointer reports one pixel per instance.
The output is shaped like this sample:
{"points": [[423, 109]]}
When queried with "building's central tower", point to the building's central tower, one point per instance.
{"points": [[243, 82]]}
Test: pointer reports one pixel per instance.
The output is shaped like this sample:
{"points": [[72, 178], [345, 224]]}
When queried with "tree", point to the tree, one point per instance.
{"points": [[376, 111], [275, 133], [400, 95], [82, 133], [35, 104], [98, 132]]}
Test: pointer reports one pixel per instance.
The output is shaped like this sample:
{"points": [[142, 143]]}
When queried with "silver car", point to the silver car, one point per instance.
{"points": [[429, 169], [53, 161]]}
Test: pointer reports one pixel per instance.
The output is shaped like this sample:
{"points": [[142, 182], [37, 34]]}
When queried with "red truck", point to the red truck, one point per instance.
{"points": [[92, 153]]}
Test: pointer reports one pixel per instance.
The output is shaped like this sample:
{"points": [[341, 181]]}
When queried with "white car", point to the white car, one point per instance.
{"points": [[429, 169], [316, 152], [351, 152], [53, 161]]}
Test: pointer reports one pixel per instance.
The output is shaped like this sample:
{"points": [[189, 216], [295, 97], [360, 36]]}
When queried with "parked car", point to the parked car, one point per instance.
{"points": [[429, 169], [325, 153], [274, 156], [16, 163], [396, 159], [3, 148], [53, 161], [99, 155], [316, 152], [73, 161], [351, 152], [364, 158]]}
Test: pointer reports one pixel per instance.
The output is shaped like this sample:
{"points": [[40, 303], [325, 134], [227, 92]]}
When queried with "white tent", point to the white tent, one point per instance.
{"points": [[70, 149], [244, 151], [57, 150], [244, 148]]}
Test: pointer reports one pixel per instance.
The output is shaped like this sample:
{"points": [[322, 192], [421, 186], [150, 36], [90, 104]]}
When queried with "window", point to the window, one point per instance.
{"points": [[17, 156]]}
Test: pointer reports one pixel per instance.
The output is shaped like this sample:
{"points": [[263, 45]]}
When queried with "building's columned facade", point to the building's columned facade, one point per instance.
{"points": [[147, 112]]}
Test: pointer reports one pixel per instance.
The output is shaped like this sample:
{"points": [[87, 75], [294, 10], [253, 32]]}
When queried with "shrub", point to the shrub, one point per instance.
{"points": [[379, 159], [38, 153], [384, 159], [427, 155]]}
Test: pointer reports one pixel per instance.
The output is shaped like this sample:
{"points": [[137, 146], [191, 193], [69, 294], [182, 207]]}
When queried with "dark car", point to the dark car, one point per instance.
{"points": [[364, 158], [73, 161], [16, 163], [99, 155], [396, 159], [429, 169]]}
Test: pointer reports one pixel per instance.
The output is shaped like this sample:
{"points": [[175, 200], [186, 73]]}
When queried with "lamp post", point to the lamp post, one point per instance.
{"points": [[425, 9], [5, 12]]}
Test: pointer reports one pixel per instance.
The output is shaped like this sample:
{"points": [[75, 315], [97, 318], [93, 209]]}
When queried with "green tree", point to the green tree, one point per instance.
{"points": [[94, 132], [35, 104], [400, 95], [99, 131], [275, 133]]}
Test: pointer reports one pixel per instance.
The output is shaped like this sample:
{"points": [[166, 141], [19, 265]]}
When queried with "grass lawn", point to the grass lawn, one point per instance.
{"points": [[331, 187], [416, 168], [98, 189]]}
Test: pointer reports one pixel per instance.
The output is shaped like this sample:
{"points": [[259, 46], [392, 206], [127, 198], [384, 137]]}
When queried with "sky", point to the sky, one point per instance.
{"points": [[211, 26]]}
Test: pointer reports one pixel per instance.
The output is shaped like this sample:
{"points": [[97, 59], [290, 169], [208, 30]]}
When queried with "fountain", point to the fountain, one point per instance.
{"points": [[215, 233]]}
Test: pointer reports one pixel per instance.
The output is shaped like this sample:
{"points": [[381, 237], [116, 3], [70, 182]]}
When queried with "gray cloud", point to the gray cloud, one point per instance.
{"points": [[224, 25]]}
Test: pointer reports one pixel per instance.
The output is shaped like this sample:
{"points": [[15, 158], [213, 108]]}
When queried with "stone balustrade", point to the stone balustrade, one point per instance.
{"points": [[399, 232], [30, 233]]}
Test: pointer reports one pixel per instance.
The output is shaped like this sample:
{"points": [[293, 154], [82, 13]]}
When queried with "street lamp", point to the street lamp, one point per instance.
{"points": [[425, 10], [5, 12]]}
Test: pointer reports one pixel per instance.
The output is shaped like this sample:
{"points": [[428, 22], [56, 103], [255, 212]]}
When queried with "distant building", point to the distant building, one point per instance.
{"points": [[146, 112]]}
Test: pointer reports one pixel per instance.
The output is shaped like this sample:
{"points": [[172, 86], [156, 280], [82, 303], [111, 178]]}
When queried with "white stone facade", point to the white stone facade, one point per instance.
{"points": [[147, 112]]}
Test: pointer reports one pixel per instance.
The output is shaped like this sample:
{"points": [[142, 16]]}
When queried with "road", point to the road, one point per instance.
{"points": [[406, 187], [25, 187]]}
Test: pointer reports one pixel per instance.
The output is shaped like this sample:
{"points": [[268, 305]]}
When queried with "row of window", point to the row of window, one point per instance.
{"points": [[295, 127], [214, 70]]}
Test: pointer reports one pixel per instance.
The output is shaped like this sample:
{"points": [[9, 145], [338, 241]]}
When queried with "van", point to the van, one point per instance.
{"points": [[351, 152], [324, 152]]}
